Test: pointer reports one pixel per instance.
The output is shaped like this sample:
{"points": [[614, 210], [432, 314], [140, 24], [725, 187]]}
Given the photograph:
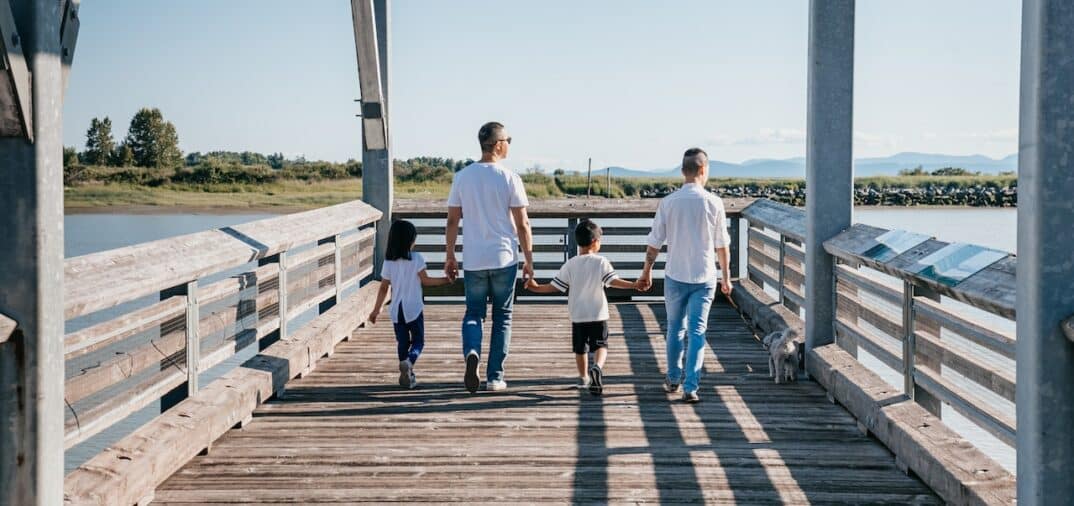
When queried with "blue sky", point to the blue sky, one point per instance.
{"points": [[627, 82]]}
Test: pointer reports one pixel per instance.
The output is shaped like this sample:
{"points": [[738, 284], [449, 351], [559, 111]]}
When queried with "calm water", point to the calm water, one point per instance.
{"points": [[90, 233]]}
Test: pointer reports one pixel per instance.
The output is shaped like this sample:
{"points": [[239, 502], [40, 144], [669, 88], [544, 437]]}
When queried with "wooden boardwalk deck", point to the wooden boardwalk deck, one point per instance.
{"points": [[348, 433]]}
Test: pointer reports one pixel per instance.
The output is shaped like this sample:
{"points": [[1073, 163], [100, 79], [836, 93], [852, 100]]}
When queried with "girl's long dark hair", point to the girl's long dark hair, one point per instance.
{"points": [[400, 238]]}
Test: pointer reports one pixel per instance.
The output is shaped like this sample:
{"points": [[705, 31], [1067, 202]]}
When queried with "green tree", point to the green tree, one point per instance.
{"points": [[99, 143], [123, 156], [152, 140], [276, 160], [953, 171], [916, 171], [70, 156]]}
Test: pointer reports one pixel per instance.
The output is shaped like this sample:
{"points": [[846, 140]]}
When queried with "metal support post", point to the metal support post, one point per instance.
{"points": [[829, 141], [31, 192], [1045, 376]]}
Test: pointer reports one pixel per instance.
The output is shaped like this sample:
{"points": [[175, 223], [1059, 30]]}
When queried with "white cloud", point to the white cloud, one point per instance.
{"points": [[764, 136], [1001, 135]]}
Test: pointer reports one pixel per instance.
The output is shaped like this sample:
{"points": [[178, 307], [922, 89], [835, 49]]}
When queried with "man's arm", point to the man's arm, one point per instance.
{"points": [[451, 266], [723, 254], [525, 239], [645, 281]]}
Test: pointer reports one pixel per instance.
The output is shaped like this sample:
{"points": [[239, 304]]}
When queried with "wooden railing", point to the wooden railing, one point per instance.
{"points": [[625, 224], [912, 323], [172, 309]]}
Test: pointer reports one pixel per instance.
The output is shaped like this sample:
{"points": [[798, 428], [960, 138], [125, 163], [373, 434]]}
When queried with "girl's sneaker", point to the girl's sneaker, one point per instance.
{"points": [[583, 383], [405, 373], [413, 379]]}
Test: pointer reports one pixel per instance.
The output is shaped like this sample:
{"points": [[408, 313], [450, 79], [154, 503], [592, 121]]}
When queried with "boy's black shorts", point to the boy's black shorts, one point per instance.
{"points": [[593, 334]]}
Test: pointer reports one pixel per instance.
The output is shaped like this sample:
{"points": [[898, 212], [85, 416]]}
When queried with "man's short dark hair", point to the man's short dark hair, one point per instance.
{"points": [[586, 232], [489, 134], [692, 161]]}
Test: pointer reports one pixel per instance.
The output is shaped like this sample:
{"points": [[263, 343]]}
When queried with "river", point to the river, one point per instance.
{"points": [[88, 233]]}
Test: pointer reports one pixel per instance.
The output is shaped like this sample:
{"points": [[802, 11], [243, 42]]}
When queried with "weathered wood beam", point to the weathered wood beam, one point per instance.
{"points": [[16, 115], [68, 38], [108, 278], [132, 468]]}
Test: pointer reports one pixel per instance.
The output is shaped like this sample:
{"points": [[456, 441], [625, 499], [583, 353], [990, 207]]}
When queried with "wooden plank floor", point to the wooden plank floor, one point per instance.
{"points": [[348, 433]]}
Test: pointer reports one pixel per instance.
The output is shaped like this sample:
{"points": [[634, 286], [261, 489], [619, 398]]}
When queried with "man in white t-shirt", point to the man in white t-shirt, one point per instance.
{"points": [[493, 202], [693, 223]]}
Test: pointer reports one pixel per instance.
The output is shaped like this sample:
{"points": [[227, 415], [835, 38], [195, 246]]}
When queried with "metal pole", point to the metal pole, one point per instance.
{"points": [[609, 182], [829, 173], [377, 180], [31, 190], [1045, 375], [589, 180]]}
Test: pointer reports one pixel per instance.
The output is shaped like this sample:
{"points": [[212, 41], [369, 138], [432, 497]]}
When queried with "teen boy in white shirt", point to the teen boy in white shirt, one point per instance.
{"points": [[584, 278]]}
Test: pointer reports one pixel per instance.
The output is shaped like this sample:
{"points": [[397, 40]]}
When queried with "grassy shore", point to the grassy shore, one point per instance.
{"points": [[289, 194]]}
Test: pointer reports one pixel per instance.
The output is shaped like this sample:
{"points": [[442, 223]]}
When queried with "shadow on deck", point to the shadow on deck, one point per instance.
{"points": [[348, 433]]}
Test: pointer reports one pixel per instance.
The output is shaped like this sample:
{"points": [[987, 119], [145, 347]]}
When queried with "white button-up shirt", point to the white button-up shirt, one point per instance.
{"points": [[693, 223]]}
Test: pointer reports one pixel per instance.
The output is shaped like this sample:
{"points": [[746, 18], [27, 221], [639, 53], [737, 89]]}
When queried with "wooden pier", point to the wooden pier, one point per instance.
{"points": [[349, 433]]}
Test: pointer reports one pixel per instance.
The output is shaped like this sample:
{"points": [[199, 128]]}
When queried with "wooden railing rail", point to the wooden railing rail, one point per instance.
{"points": [[559, 240], [898, 316], [118, 367]]}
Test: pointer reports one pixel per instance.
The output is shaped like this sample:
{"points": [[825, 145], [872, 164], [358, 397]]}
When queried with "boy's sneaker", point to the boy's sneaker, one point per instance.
{"points": [[472, 380], [583, 383], [670, 387], [596, 380], [691, 397], [405, 372], [495, 385], [413, 379]]}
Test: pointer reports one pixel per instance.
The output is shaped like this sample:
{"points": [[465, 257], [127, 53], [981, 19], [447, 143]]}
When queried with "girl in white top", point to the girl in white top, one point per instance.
{"points": [[404, 272], [584, 278]]}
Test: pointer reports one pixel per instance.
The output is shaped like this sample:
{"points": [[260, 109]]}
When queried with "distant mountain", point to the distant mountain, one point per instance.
{"points": [[795, 167]]}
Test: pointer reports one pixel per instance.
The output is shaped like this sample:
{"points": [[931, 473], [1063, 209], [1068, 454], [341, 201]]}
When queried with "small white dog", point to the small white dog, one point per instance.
{"points": [[782, 355]]}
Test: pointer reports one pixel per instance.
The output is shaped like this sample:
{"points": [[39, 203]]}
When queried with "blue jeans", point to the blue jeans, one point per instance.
{"points": [[687, 306], [409, 337], [497, 285]]}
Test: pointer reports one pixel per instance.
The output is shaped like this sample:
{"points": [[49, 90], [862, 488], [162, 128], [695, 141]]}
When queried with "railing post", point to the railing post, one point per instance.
{"points": [[280, 259], [734, 247], [908, 338], [192, 351], [829, 171], [782, 268], [337, 274], [570, 244], [1045, 375], [749, 238], [931, 360], [193, 345]]}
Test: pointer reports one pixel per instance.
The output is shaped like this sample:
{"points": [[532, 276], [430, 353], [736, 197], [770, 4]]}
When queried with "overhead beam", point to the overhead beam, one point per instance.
{"points": [[1045, 376], [829, 144], [371, 20], [31, 190]]}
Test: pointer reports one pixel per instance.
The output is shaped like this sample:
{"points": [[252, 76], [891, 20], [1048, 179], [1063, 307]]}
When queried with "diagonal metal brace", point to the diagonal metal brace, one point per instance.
{"points": [[15, 98], [68, 37], [374, 128]]}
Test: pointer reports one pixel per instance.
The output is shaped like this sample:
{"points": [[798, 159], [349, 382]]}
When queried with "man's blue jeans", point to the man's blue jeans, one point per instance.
{"points": [[687, 306], [497, 285]]}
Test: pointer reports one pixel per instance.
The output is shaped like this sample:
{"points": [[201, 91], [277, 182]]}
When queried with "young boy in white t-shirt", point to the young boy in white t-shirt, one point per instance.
{"points": [[584, 278]]}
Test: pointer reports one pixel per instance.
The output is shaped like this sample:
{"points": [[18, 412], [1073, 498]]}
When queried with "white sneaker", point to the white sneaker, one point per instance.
{"points": [[413, 379], [496, 385], [583, 383], [406, 372]]}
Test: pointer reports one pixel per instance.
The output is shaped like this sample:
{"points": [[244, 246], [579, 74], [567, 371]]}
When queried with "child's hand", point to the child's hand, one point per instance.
{"points": [[531, 284], [373, 316]]}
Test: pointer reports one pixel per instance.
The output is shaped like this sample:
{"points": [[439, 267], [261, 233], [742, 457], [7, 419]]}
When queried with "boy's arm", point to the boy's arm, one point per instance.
{"points": [[382, 293], [536, 287], [427, 280], [624, 284]]}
